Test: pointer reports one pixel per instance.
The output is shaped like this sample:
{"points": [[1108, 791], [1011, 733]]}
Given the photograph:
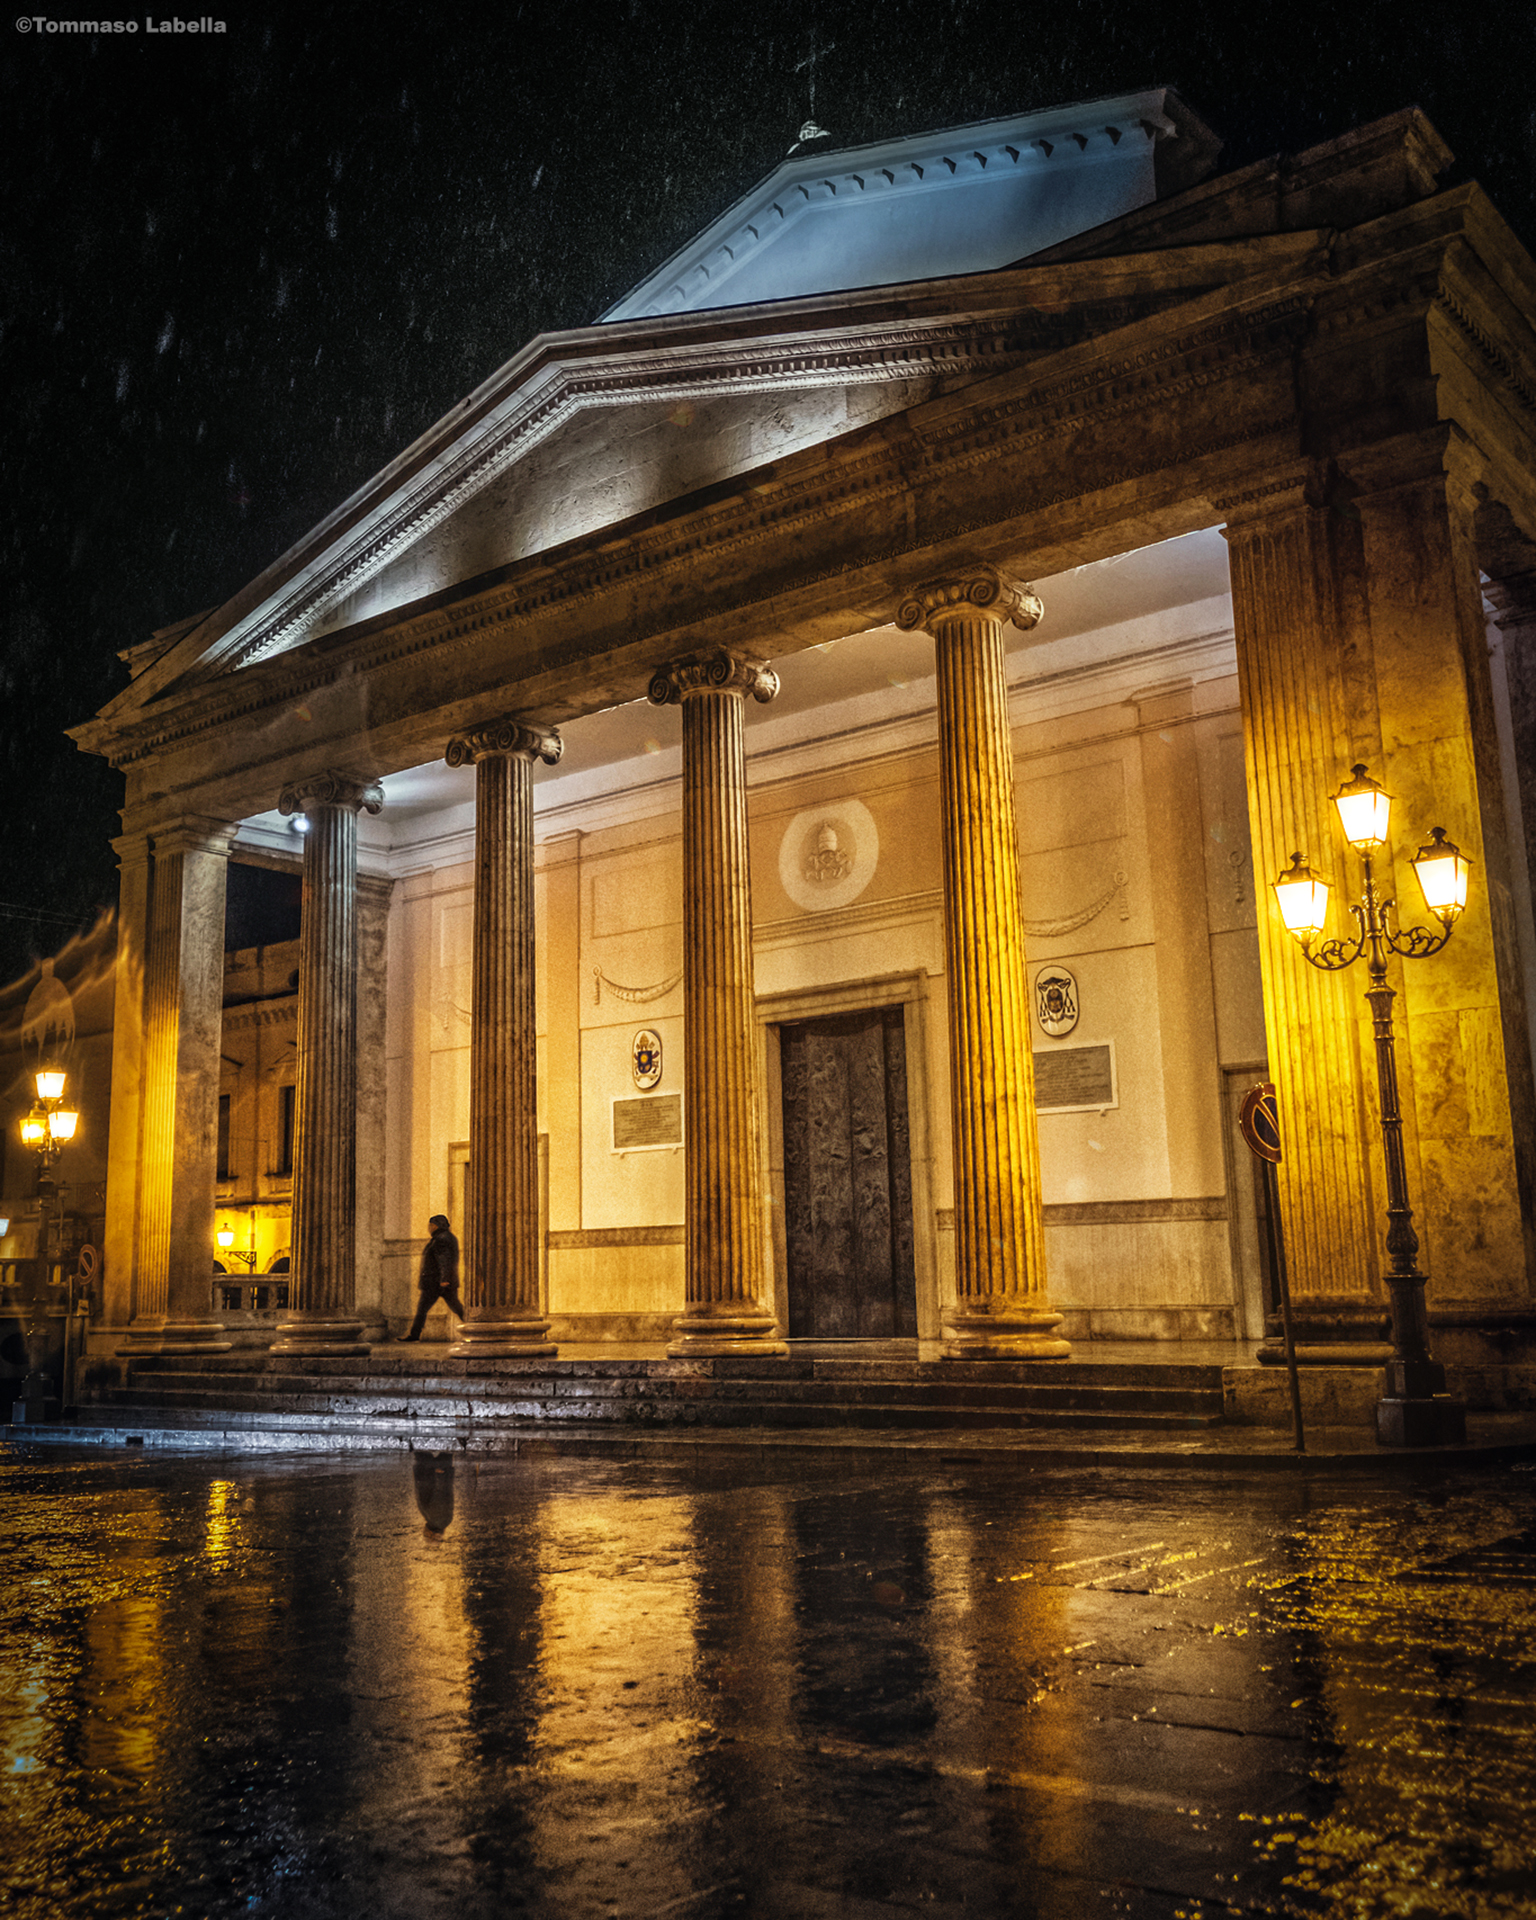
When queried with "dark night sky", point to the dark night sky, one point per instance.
{"points": [[241, 272]]}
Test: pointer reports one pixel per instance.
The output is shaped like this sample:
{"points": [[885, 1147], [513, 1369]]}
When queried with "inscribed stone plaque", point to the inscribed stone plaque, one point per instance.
{"points": [[1069, 1079], [656, 1122]]}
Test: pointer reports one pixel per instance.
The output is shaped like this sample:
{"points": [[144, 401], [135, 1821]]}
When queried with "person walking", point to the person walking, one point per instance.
{"points": [[439, 1276]]}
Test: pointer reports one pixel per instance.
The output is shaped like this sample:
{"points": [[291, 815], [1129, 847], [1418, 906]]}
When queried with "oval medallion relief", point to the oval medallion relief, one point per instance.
{"points": [[827, 856]]}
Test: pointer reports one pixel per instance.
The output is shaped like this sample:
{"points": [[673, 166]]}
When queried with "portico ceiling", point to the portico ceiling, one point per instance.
{"points": [[1094, 615]]}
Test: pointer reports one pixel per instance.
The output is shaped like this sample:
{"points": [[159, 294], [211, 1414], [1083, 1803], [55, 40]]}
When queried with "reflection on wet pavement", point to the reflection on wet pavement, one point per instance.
{"points": [[565, 1688]]}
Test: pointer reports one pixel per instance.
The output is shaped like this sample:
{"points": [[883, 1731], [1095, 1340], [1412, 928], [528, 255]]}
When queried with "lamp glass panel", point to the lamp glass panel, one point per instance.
{"points": [[34, 1130], [5, 1226], [1443, 880], [50, 1083], [1303, 903], [1364, 816], [62, 1123], [225, 1237]]}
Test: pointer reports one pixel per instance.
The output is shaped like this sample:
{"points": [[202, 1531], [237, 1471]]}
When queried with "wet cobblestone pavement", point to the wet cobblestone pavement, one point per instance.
{"points": [[378, 1688]]}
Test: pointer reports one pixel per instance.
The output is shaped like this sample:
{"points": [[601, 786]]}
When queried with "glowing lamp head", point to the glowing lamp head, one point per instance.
{"points": [[1442, 869], [1364, 810], [50, 1083], [226, 1238], [300, 823], [62, 1123], [1302, 897], [5, 1226]]}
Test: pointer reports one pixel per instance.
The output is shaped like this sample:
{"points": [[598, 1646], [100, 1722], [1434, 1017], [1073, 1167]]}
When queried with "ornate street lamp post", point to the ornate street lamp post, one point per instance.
{"points": [[47, 1130], [1416, 1410]]}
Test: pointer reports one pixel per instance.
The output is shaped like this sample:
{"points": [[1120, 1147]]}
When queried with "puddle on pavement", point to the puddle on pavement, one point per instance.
{"points": [[437, 1686]]}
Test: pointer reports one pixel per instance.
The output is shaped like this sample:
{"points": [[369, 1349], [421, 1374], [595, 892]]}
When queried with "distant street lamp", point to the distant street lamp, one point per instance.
{"points": [[1416, 1411], [226, 1243]]}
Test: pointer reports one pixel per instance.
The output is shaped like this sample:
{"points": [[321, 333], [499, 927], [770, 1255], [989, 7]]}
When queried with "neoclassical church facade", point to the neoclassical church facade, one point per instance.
{"points": [[787, 781]]}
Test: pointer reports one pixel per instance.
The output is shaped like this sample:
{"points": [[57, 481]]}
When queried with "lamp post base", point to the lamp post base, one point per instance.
{"points": [[1436, 1420]]}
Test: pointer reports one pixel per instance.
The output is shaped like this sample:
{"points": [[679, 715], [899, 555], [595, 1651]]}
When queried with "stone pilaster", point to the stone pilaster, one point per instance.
{"points": [[178, 1047], [120, 1242], [1513, 597], [1293, 571], [502, 1315], [726, 1309], [1361, 638], [1470, 1106], [322, 1314], [1001, 1309]]}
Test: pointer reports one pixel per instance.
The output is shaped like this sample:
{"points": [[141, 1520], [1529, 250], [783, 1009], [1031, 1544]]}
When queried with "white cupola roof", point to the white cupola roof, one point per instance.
{"points": [[933, 205]]}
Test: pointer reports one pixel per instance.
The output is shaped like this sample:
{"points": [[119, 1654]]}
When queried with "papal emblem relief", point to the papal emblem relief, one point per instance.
{"points": [[1056, 1000], [826, 861], [647, 1058]]}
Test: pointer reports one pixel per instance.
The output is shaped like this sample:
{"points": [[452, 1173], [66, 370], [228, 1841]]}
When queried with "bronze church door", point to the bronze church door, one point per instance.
{"points": [[848, 1178]]}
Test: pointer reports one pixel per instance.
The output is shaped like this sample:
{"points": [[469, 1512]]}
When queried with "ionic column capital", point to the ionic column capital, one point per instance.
{"points": [[331, 789], [515, 737], [719, 672], [977, 590]]}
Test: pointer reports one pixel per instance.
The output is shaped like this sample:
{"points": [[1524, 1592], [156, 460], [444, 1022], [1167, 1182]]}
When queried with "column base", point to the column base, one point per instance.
{"points": [[503, 1340], [1331, 1353], [1439, 1420], [320, 1333], [1006, 1331], [698, 1336], [174, 1336], [1330, 1331]]}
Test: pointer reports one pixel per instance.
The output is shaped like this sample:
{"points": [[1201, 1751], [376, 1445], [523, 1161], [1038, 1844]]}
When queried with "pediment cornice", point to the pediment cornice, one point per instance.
{"points": [[1016, 414], [970, 327]]}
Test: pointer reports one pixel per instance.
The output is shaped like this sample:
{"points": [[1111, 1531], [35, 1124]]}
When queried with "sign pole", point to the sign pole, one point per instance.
{"points": [[1259, 1123]]}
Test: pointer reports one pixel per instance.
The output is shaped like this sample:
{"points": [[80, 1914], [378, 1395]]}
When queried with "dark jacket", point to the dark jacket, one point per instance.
{"points": [[439, 1263]]}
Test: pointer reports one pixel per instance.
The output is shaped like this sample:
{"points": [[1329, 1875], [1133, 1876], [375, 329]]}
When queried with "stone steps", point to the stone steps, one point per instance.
{"points": [[424, 1397], [582, 1397], [480, 1410]]}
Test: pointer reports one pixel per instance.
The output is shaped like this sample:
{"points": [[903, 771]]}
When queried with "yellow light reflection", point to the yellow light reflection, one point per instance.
{"points": [[221, 1524]]}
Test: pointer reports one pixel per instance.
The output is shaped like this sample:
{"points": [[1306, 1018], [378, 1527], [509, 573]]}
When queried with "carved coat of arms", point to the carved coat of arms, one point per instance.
{"points": [[825, 860], [646, 1054], [1056, 1000]]}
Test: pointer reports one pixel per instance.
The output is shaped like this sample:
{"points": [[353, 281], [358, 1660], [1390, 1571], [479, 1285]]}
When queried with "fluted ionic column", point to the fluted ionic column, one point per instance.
{"points": [[1001, 1309], [322, 1317], [502, 1306], [181, 999], [725, 1311]]}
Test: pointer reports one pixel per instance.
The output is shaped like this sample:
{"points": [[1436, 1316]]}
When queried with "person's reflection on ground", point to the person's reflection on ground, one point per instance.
{"points": [[433, 1475]]}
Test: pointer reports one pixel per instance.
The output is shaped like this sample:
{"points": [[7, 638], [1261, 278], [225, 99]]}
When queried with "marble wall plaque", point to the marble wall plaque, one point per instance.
{"points": [[651, 1120], [1075, 1079]]}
